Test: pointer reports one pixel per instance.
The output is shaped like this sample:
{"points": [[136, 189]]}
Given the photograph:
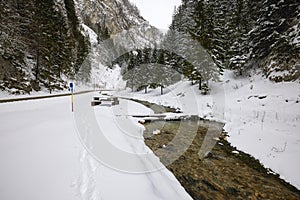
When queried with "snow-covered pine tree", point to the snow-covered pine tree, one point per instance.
{"points": [[271, 40], [238, 29], [241, 34], [199, 28], [45, 46]]}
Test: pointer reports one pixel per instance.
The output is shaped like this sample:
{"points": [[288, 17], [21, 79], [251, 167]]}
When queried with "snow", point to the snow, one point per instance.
{"points": [[156, 132], [38, 150], [101, 76], [262, 118], [43, 156], [235, 152], [88, 32]]}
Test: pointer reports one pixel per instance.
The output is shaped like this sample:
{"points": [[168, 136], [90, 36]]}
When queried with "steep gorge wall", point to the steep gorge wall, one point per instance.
{"points": [[40, 45]]}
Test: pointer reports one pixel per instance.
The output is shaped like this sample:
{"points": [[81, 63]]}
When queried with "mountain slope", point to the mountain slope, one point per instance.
{"points": [[114, 28], [45, 44], [108, 16], [40, 45], [244, 34]]}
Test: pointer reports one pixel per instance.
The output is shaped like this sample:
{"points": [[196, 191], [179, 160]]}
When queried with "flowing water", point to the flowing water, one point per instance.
{"points": [[207, 166]]}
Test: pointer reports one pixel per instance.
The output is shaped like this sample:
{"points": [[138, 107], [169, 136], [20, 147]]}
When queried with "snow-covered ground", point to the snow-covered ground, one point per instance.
{"points": [[43, 156], [262, 118], [39, 152]]}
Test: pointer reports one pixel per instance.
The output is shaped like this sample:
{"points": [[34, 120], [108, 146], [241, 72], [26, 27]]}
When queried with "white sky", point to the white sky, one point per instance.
{"points": [[157, 12]]}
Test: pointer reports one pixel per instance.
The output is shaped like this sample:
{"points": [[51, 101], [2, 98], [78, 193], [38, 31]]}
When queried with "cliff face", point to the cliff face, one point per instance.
{"points": [[117, 19], [108, 16], [119, 29]]}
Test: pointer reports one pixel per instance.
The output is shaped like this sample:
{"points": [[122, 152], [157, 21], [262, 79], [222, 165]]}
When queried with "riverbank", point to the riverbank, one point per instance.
{"points": [[261, 117], [225, 173]]}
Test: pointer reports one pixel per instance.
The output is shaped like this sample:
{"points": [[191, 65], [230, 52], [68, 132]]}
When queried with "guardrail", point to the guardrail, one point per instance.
{"points": [[42, 97]]}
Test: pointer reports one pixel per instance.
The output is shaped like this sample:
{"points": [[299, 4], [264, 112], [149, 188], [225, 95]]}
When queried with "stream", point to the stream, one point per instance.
{"points": [[207, 166]]}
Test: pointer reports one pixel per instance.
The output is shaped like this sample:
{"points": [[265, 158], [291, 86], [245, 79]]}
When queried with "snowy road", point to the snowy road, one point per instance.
{"points": [[38, 150], [42, 156]]}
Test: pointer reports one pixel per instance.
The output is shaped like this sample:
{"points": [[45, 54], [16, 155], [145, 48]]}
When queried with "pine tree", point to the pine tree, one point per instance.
{"points": [[271, 41], [240, 34], [238, 52]]}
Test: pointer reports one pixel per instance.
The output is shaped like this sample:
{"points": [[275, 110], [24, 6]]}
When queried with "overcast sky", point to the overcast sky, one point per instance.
{"points": [[157, 12]]}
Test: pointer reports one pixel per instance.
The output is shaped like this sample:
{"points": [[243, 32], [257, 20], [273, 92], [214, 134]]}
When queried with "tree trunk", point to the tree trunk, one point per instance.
{"points": [[161, 90], [37, 66], [200, 84], [146, 89]]}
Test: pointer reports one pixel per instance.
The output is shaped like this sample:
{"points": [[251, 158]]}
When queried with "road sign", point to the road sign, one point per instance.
{"points": [[72, 87], [72, 95]]}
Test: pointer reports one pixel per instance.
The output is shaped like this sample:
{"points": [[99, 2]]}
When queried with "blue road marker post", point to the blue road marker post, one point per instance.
{"points": [[72, 95]]}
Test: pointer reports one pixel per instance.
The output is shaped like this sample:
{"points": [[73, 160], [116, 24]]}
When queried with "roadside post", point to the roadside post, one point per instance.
{"points": [[72, 95]]}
